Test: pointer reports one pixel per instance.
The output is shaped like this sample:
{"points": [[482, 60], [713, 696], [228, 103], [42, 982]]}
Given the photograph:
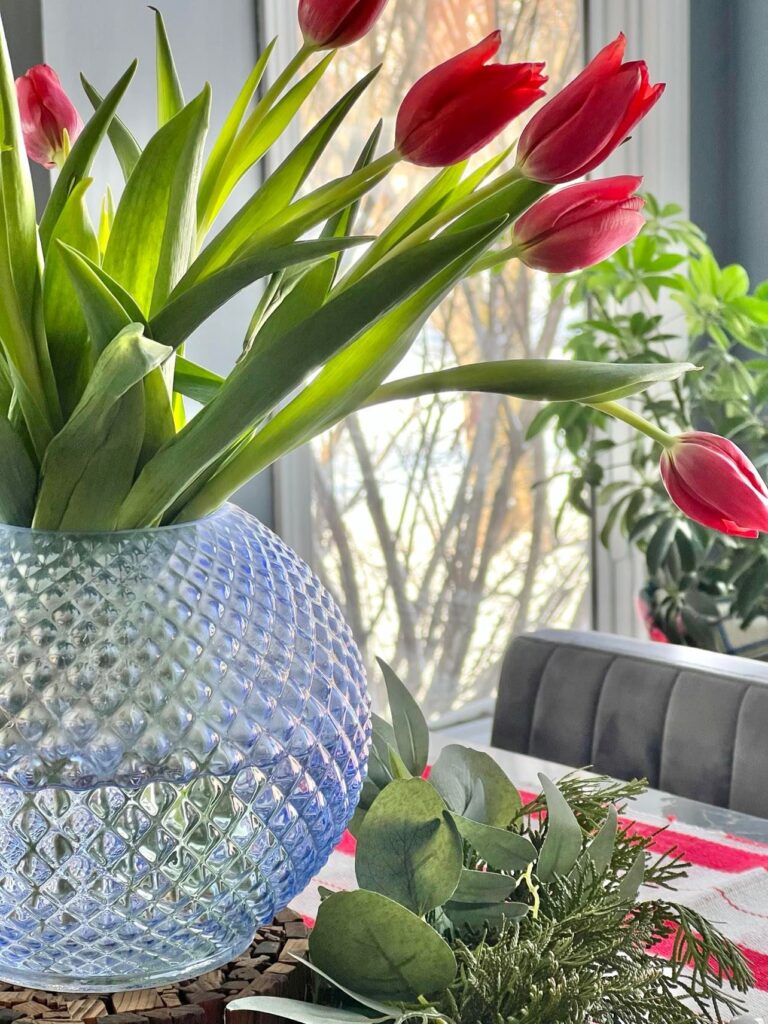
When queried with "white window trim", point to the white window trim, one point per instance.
{"points": [[657, 30]]}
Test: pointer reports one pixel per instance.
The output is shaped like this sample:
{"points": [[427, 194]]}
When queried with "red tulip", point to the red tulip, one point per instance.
{"points": [[458, 107], [714, 483], [46, 114], [580, 225], [327, 24], [584, 123]]}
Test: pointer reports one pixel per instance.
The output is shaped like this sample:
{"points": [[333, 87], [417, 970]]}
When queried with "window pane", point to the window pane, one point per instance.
{"points": [[434, 524]]}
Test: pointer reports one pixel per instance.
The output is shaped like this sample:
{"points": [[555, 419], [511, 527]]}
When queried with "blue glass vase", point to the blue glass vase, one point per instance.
{"points": [[184, 729]]}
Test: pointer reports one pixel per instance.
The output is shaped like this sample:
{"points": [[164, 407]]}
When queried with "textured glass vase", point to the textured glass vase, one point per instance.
{"points": [[184, 729]]}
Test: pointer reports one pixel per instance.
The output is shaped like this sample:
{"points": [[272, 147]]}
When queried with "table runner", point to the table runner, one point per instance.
{"points": [[727, 882]]}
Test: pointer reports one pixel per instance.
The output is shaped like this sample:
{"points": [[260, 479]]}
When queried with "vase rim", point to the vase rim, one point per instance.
{"points": [[128, 532]]}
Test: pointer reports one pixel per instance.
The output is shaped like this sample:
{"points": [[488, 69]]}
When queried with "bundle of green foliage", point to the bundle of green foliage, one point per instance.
{"points": [[664, 296], [475, 908]]}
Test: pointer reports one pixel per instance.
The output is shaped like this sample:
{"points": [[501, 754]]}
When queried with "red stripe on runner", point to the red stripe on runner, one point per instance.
{"points": [[708, 853]]}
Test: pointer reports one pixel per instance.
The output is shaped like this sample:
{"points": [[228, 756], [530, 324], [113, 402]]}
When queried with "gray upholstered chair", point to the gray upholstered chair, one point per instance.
{"points": [[691, 722]]}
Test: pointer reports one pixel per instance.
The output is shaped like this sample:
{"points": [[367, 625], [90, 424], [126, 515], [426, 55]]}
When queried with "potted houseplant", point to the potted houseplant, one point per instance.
{"points": [[184, 726], [665, 294], [475, 905]]}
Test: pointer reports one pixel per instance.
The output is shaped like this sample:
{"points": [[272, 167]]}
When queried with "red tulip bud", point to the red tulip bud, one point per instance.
{"points": [[714, 483], [327, 24], [46, 114], [458, 107], [580, 225], [584, 123]]}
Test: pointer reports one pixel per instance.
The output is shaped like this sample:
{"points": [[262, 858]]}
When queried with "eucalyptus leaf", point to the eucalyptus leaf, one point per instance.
{"points": [[483, 887], [563, 841], [472, 783], [600, 850], [410, 726], [633, 879], [408, 849], [303, 1013], [477, 917], [499, 847], [374, 946], [80, 159]]}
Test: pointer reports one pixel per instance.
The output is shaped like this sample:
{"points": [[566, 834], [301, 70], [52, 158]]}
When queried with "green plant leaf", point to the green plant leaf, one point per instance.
{"points": [[68, 341], [408, 849], [261, 130], [303, 1013], [541, 380], [18, 478], [268, 205], [153, 235], [187, 310], [480, 916], [633, 879], [80, 160], [374, 946], [227, 136], [340, 387], [196, 382], [170, 96], [268, 376], [562, 843], [600, 850], [89, 464], [483, 887], [502, 849], [410, 726], [104, 313], [474, 786], [127, 150]]}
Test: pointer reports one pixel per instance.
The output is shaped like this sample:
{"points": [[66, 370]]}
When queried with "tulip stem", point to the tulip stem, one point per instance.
{"points": [[620, 412]]}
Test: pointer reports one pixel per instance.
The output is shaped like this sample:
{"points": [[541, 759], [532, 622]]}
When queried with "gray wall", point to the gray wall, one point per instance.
{"points": [[729, 129], [211, 40]]}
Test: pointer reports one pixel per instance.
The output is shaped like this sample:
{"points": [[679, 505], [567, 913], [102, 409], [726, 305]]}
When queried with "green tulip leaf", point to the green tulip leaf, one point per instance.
{"points": [[127, 150], [474, 786], [80, 160], [66, 328], [18, 478], [170, 96], [196, 382], [226, 138], [270, 202], [374, 946], [408, 849], [483, 887], [187, 310], [563, 841], [153, 236], [502, 849], [89, 465], [541, 380], [409, 725], [269, 374]]}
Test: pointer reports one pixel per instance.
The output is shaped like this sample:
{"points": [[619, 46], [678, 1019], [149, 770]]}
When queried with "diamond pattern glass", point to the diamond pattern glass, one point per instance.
{"points": [[184, 728]]}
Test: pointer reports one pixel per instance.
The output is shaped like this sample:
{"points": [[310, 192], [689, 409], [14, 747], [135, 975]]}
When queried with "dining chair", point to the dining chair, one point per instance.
{"points": [[691, 722]]}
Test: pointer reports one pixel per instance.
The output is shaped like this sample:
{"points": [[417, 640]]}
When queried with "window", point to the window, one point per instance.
{"points": [[434, 521]]}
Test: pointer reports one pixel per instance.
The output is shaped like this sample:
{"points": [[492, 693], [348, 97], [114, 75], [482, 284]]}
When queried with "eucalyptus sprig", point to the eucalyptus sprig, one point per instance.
{"points": [[474, 908]]}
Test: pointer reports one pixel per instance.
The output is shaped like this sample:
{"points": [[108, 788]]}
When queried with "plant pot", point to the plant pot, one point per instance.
{"points": [[184, 729]]}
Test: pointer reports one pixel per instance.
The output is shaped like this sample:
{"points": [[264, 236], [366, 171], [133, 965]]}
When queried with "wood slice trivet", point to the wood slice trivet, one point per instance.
{"points": [[267, 968]]}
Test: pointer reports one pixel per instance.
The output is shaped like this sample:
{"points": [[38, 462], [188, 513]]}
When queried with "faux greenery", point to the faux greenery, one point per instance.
{"points": [[93, 321], [661, 298], [475, 908]]}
